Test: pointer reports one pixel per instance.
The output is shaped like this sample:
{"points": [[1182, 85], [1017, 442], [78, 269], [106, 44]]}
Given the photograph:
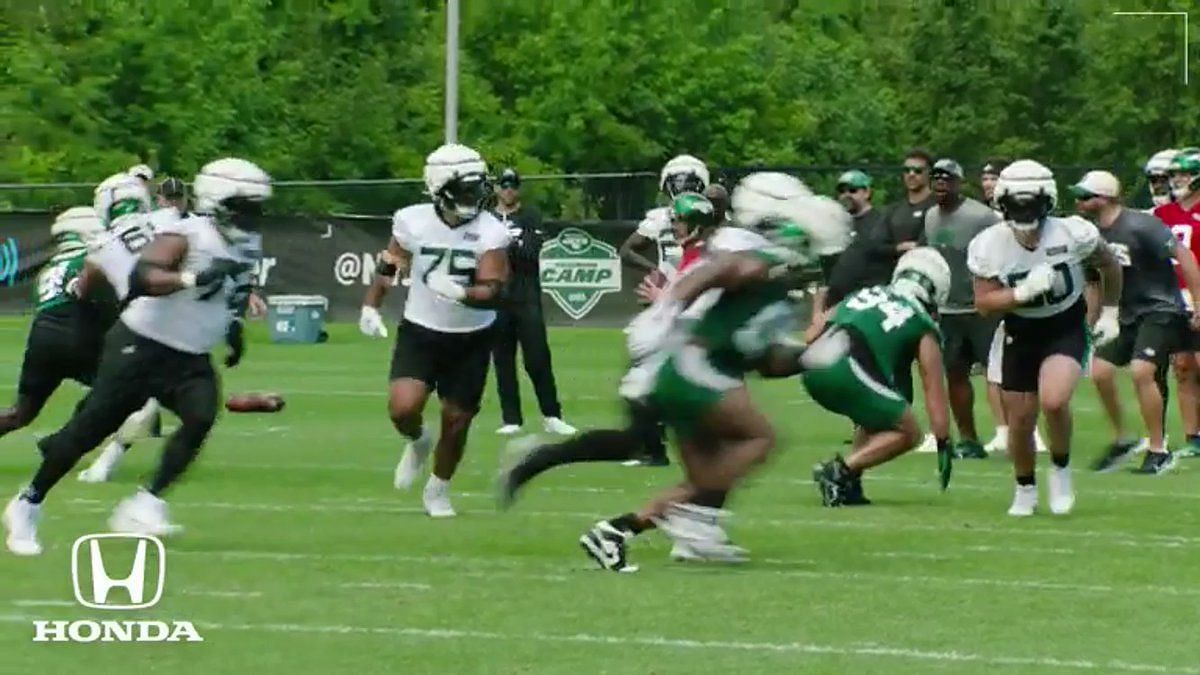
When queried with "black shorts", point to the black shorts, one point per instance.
{"points": [[966, 339], [1153, 337], [58, 348], [1029, 342], [453, 364], [132, 370]]}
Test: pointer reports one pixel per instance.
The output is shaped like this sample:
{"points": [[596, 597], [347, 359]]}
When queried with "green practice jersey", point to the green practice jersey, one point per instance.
{"points": [[891, 325], [57, 278], [737, 326]]}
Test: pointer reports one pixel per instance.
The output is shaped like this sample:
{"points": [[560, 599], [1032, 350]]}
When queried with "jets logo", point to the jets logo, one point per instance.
{"points": [[577, 270]]}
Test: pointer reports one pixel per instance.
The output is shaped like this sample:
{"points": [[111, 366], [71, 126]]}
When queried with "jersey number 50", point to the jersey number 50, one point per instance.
{"points": [[1062, 289]]}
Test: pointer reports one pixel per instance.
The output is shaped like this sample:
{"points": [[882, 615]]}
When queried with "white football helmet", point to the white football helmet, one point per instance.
{"points": [[922, 275], [456, 179], [120, 194], [683, 173], [1026, 193], [231, 186], [78, 223], [141, 171], [1156, 175], [766, 200]]}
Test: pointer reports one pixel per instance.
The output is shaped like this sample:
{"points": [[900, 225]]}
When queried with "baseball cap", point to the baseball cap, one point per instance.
{"points": [[855, 179], [1097, 184], [509, 178], [993, 167], [946, 167]]}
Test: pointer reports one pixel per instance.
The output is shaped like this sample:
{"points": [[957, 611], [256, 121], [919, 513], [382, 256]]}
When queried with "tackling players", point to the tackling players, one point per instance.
{"points": [[454, 253], [1030, 268]]}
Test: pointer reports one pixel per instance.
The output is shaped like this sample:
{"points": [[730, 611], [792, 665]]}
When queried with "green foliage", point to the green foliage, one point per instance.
{"points": [[324, 89]]}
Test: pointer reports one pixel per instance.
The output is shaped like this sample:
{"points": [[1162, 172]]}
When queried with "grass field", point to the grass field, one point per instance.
{"points": [[299, 557]]}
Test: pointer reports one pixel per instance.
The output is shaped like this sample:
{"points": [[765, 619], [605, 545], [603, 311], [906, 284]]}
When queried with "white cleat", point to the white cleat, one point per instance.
{"points": [[437, 499], [554, 425], [102, 469], [509, 430], [143, 513], [20, 521], [1024, 501], [1038, 443], [929, 445], [1062, 494], [999, 442], [412, 462]]}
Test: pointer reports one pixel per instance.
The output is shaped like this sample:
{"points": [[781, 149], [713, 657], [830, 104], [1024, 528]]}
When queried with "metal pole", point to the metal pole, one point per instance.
{"points": [[452, 71]]}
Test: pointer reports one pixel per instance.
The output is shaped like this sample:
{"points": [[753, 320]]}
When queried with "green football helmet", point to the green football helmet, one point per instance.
{"points": [[693, 209], [1186, 163]]}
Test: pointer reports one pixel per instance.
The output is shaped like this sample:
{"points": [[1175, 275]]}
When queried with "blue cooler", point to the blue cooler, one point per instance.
{"points": [[297, 319]]}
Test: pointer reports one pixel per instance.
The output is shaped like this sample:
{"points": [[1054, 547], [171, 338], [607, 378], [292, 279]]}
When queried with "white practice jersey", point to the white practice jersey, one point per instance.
{"points": [[455, 251], [164, 217], [656, 227], [1064, 243], [195, 319], [115, 251]]}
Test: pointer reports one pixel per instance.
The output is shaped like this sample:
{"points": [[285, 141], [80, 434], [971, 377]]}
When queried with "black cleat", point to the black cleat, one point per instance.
{"points": [[605, 545], [970, 450], [834, 482], [1115, 456], [1155, 463], [855, 495]]}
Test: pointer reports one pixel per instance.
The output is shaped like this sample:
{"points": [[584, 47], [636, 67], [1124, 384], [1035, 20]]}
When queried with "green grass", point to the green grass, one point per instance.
{"points": [[299, 557]]}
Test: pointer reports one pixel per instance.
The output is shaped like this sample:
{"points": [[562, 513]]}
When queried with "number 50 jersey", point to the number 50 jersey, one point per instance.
{"points": [[1063, 243], [455, 251]]}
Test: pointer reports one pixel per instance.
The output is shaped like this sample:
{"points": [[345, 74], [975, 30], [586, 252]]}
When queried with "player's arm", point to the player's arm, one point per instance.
{"points": [[393, 260], [630, 248], [1188, 269], [90, 278], [726, 270], [157, 271], [1109, 268], [933, 380], [490, 276], [993, 297]]}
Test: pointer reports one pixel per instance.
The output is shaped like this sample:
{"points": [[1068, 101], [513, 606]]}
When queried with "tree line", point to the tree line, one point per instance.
{"points": [[328, 89]]}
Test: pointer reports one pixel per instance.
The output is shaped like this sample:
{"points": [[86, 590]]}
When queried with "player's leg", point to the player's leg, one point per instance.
{"points": [[190, 389], [959, 361], [1058, 376], [461, 377], [1104, 368], [137, 426], [1020, 367], [999, 442], [1156, 337], [535, 354], [120, 388], [47, 349], [1187, 379], [504, 356], [411, 379]]}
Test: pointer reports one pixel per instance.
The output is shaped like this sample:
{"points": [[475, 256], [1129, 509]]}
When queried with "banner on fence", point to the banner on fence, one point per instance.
{"points": [[583, 279]]}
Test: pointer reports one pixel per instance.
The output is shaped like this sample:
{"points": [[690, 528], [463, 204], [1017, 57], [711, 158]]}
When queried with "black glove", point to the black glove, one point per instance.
{"points": [[945, 459], [221, 268], [235, 339]]}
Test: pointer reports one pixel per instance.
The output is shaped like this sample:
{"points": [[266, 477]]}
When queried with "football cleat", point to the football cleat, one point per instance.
{"points": [[413, 461], [436, 498], [20, 520], [605, 545], [1024, 502], [143, 513]]}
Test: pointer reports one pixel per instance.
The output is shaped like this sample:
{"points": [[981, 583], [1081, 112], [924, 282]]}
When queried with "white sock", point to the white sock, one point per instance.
{"points": [[1002, 431]]}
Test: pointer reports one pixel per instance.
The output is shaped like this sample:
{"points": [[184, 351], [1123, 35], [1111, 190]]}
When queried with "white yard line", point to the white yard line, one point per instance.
{"points": [[221, 594], [405, 585], [864, 651], [44, 603]]}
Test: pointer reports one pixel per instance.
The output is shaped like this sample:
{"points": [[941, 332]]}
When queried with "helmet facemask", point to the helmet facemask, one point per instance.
{"points": [[915, 286], [1025, 211], [463, 196]]}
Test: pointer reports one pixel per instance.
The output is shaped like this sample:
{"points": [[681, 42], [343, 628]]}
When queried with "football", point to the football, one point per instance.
{"points": [[251, 403]]}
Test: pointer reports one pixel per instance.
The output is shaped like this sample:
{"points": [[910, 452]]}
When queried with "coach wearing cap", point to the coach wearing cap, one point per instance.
{"points": [[519, 320], [950, 225], [871, 255]]}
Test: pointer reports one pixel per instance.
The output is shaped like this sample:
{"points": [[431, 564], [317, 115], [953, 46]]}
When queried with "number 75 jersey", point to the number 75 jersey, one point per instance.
{"points": [[116, 251], [454, 251], [1063, 243]]}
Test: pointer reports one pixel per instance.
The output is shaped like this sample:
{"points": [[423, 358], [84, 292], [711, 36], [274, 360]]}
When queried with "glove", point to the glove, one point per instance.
{"points": [[446, 287], [371, 323], [1107, 327], [235, 339], [216, 272], [1039, 280], [649, 330], [945, 460]]}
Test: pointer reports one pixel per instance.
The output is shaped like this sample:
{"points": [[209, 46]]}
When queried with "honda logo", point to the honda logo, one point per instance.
{"points": [[100, 559]]}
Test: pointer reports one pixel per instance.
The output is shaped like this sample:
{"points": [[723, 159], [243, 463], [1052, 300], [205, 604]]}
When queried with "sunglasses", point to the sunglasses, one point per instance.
{"points": [[915, 170], [509, 185], [843, 189], [1081, 196]]}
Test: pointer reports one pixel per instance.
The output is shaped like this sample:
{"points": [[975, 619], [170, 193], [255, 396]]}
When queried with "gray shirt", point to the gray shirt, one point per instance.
{"points": [[951, 233], [1146, 250]]}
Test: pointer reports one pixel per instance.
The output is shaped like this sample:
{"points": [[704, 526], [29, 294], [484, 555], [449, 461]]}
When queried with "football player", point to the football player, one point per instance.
{"points": [[1181, 213], [190, 286], [1153, 320], [1158, 180], [683, 173], [1030, 269], [728, 316], [888, 327], [67, 332], [454, 254]]}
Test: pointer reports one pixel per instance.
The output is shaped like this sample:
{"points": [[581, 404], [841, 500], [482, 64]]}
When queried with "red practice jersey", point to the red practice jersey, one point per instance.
{"points": [[1185, 225]]}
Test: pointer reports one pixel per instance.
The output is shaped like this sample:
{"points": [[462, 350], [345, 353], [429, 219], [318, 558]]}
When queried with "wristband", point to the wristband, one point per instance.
{"points": [[187, 279]]}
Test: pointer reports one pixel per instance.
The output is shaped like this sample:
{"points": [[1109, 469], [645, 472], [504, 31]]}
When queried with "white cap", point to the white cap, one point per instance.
{"points": [[1100, 183], [141, 171]]}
